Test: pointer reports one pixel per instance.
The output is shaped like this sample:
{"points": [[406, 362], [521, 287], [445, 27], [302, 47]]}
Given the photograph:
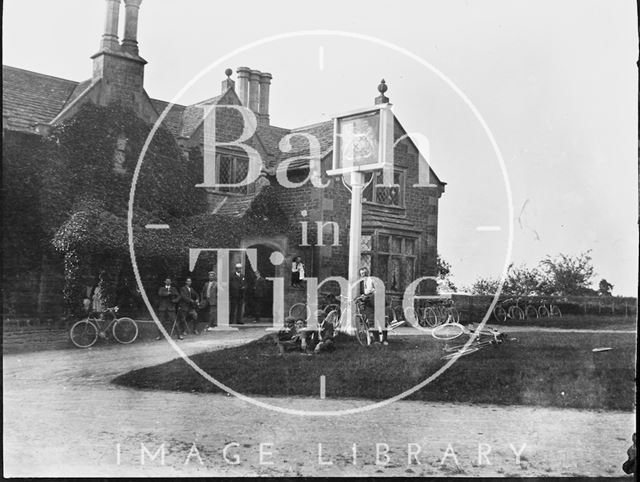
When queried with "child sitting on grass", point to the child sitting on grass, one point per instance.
{"points": [[292, 337]]}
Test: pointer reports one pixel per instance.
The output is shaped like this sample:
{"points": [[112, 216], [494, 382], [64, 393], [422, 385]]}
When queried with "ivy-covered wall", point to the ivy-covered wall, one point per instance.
{"points": [[66, 197]]}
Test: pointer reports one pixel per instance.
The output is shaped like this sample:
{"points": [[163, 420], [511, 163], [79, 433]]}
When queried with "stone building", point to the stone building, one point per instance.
{"points": [[399, 231]]}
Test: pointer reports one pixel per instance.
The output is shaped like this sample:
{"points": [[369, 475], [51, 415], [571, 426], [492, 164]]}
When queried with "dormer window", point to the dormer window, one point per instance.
{"points": [[376, 193], [119, 155], [231, 169]]}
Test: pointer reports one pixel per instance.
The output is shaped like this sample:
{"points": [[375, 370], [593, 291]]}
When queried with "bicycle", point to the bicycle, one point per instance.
{"points": [[508, 309], [85, 333], [340, 322], [485, 337], [551, 311], [437, 312]]}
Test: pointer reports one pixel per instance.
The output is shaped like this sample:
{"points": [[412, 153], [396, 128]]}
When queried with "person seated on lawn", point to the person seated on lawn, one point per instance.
{"points": [[323, 337], [292, 337]]}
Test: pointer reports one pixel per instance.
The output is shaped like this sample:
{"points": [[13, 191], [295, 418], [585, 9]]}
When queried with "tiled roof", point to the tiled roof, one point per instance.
{"points": [[173, 121], [322, 131], [29, 97]]}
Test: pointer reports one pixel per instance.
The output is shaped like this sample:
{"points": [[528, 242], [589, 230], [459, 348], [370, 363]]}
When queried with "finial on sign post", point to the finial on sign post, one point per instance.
{"points": [[382, 88]]}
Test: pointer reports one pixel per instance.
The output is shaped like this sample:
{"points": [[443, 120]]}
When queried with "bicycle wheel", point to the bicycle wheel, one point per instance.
{"points": [[448, 331], [362, 330], [530, 312], [517, 313], [555, 311], [422, 317], [125, 330], [83, 333], [299, 311], [500, 314], [431, 317], [463, 352], [543, 311]]}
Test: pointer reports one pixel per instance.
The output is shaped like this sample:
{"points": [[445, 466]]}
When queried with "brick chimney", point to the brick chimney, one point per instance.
{"points": [[265, 83]]}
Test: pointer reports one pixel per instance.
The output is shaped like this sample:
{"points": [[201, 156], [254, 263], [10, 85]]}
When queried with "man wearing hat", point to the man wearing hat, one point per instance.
{"points": [[237, 286]]}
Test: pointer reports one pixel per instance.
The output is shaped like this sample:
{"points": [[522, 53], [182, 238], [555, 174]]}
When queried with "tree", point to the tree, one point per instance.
{"points": [[566, 275], [604, 288], [445, 283], [484, 286]]}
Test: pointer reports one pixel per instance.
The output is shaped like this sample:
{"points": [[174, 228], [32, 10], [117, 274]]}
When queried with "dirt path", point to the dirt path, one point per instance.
{"points": [[62, 417]]}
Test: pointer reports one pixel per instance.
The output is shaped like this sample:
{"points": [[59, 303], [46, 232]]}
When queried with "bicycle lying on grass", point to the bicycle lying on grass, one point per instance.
{"points": [[85, 333], [483, 338]]}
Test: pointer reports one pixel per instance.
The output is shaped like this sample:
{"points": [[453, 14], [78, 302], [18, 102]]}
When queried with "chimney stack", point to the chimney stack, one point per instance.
{"points": [[130, 40], [265, 82], [254, 91], [243, 85], [110, 35]]}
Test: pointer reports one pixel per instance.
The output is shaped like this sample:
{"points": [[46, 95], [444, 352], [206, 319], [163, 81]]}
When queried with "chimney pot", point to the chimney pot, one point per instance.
{"points": [[243, 84], [265, 82], [130, 40], [254, 91], [110, 35]]}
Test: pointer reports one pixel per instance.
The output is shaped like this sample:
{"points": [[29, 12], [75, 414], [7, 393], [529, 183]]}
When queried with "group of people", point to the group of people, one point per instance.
{"points": [[296, 336], [182, 306]]}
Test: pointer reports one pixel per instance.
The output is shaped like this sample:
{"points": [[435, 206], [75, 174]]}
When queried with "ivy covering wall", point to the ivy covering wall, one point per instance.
{"points": [[68, 195]]}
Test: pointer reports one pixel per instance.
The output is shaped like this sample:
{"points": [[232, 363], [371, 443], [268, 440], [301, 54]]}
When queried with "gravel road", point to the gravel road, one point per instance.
{"points": [[63, 417]]}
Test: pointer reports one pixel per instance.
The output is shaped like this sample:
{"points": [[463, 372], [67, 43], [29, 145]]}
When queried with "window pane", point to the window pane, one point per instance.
{"points": [[365, 244], [408, 265], [382, 268], [396, 244], [383, 243], [365, 261], [394, 274], [409, 246]]}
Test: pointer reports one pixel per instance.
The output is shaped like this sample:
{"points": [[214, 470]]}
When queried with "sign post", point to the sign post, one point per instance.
{"points": [[362, 142]]}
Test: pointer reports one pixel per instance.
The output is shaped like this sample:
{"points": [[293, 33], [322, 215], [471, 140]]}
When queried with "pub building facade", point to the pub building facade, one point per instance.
{"points": [[399, 224]]}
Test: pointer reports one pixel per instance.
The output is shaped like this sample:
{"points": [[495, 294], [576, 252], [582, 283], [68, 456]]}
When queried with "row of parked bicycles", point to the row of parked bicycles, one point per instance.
{"points": [[522, 309], [435, 312]]}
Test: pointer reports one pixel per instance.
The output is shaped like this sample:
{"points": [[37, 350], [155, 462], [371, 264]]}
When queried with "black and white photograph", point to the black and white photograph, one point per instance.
{"points": [[320, 239]]}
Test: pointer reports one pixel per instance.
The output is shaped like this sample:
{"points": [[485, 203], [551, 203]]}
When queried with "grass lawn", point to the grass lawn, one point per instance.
{"points": [[548, 369]]}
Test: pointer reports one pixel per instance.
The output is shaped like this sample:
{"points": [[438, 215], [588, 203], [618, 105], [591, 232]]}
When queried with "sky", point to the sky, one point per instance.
{"points": [[554, 82]]}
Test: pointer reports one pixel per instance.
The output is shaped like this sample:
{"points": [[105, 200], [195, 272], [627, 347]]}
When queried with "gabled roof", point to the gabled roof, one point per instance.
{"points": [[29, 98]]}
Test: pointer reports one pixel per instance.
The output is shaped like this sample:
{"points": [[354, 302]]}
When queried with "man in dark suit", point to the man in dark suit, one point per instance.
{"points": [[237, 286], [209, 299], [169, 296], [187, 305]]}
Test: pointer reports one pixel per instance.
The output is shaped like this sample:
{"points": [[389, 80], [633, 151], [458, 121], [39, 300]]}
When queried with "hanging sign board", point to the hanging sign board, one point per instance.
{"points": [[363, 140]]}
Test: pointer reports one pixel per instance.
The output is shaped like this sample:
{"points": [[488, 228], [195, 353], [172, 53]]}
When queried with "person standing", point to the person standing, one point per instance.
{"points": [[209, 300], [367, 293], [237, 286], [259, 296], [187, 305], [297, 272], [169, 296]]}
